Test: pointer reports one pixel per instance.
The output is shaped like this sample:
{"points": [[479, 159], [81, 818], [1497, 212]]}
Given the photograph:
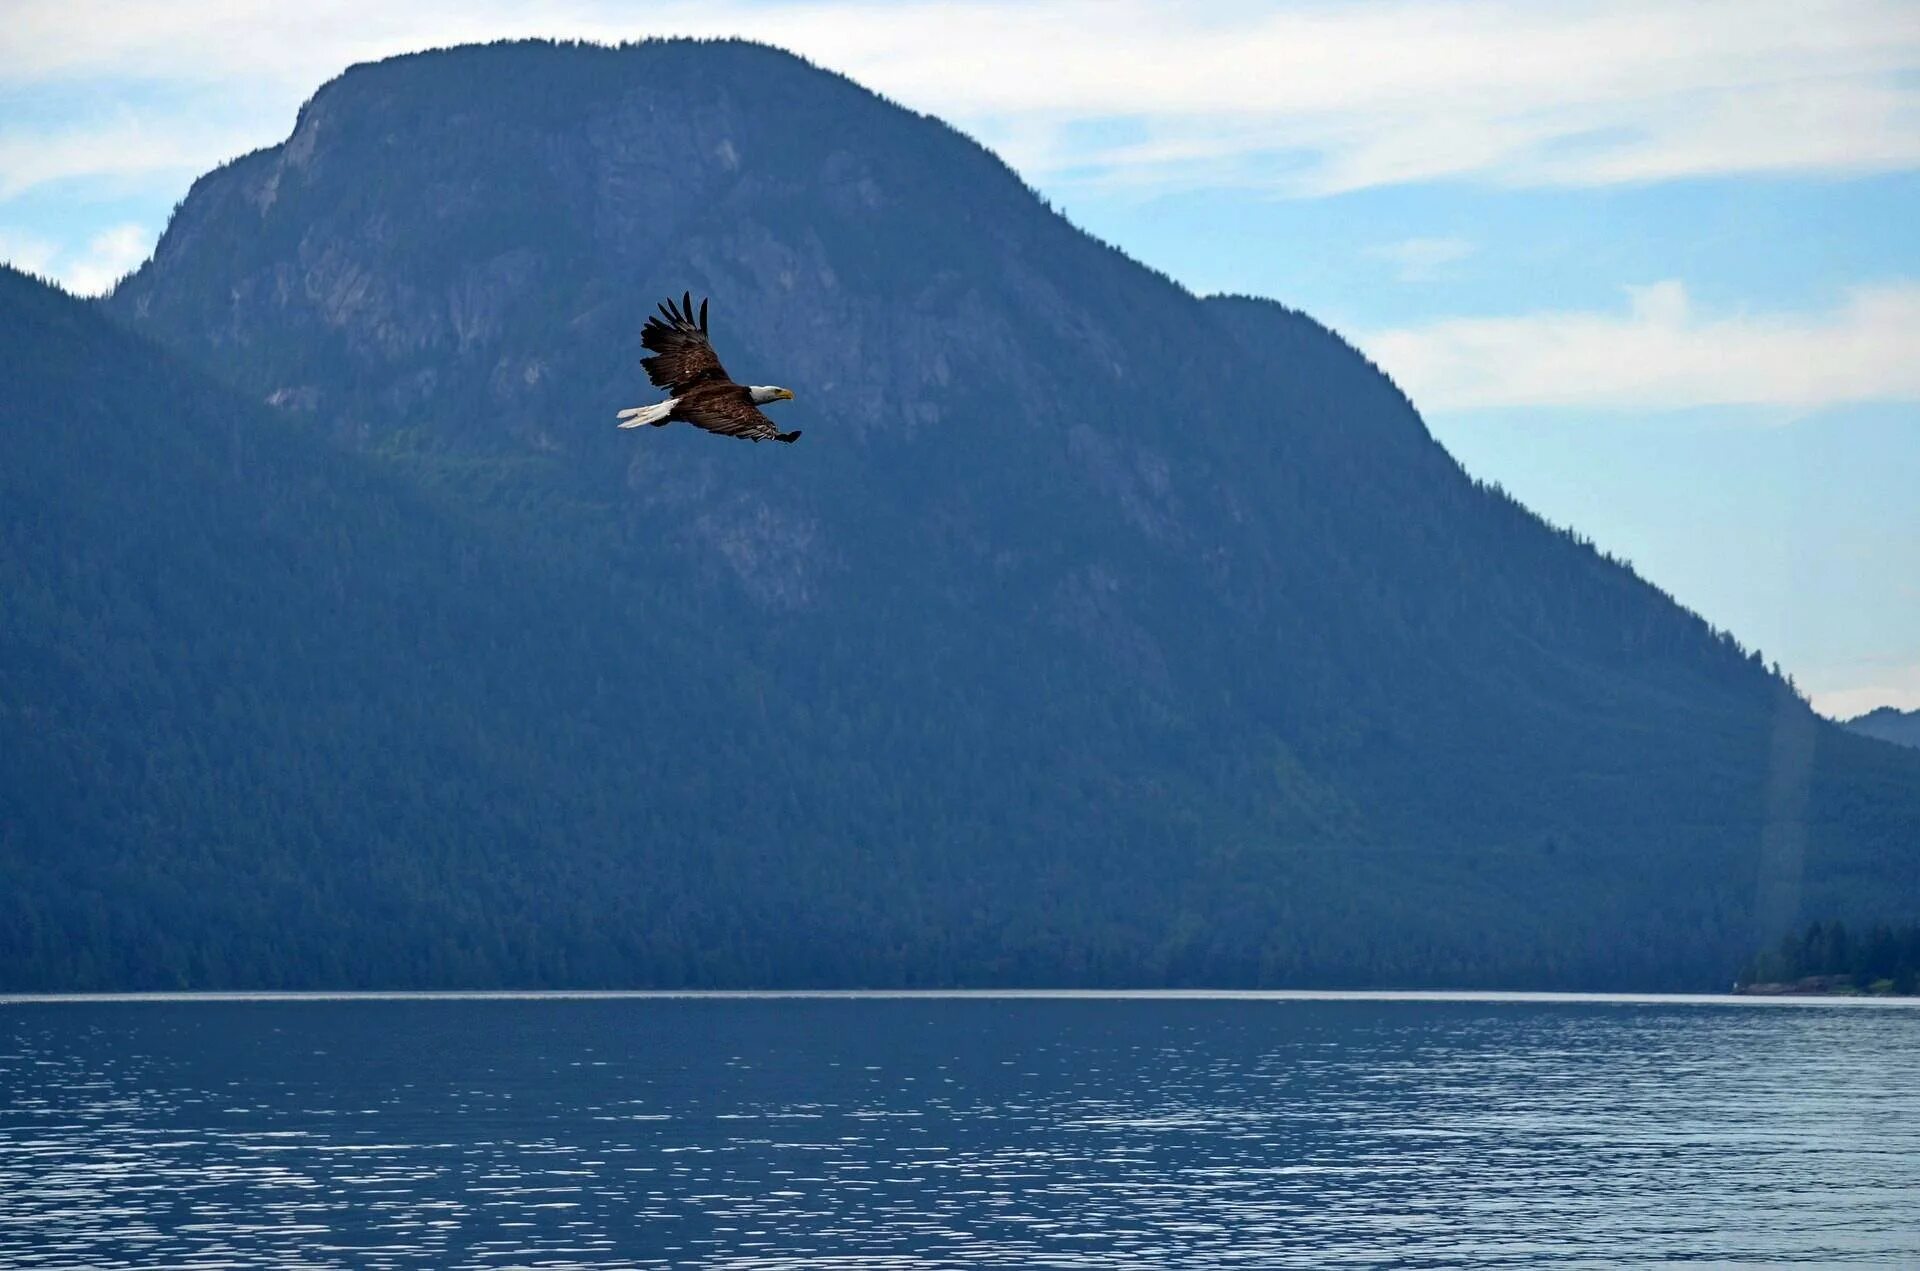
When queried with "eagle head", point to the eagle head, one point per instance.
{"points": [[764, 393]]}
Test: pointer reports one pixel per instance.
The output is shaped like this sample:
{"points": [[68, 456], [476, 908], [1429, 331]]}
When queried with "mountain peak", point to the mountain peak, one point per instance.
{"points": [[1096, 630]]}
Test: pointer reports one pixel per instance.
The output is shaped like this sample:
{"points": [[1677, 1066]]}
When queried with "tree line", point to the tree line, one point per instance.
{"points": [[1879, 959]]}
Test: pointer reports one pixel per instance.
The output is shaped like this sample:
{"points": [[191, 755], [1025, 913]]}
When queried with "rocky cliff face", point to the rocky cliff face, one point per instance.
{"points": [[1152, 633]]}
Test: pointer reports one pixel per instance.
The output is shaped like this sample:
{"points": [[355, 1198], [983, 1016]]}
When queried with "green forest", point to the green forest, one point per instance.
{"points": [[1879, 959]]}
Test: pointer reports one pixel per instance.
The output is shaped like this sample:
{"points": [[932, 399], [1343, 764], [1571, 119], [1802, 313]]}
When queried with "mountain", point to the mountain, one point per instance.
{"points": [[1888, 724], [1094, 633], [266, 715]]}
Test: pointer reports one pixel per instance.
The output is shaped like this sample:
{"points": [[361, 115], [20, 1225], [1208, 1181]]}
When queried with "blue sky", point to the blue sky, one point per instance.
{"points": [[1652, 266]]}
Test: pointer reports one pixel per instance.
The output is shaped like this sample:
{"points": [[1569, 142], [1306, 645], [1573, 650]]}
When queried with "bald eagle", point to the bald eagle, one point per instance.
{"points": [[684, 364]]}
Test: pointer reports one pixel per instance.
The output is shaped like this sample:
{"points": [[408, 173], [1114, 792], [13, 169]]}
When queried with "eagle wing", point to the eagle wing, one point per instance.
{"points": [[682, 357], [728, 410]]}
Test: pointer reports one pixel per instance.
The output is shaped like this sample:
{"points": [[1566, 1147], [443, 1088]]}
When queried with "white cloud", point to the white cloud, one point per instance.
{"points": [[122, 150], [109, 256], [106, 257], [1303, 98], [1659, 354], [1422, 259], [27, 251], [1844, 692]]}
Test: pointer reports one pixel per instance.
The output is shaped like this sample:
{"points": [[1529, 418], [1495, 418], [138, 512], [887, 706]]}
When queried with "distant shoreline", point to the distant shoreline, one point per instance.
{"points": [[1835, 986], [1755, 995]]}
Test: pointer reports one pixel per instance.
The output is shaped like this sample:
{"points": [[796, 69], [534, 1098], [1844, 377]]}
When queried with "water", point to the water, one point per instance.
{"points": [[912, 1133]]}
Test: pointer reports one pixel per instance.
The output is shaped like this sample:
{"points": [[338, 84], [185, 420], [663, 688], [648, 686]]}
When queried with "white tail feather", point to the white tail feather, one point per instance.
{"points": [[635, 416]]}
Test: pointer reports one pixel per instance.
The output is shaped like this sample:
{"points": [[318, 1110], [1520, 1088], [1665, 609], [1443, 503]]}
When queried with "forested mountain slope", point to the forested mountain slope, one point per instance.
{"points": [[1897, 726], [1094, 633]]}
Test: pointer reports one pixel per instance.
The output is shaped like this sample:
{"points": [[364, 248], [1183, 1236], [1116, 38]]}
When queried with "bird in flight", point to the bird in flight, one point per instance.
{"points": [[703, 395]]}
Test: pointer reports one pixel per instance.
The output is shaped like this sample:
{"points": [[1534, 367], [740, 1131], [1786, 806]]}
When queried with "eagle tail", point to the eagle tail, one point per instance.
{"points": [[656, 414]]}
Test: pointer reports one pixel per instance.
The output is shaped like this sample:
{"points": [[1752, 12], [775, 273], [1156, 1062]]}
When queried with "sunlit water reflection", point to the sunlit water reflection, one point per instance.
{"points": [[874, 1133]]}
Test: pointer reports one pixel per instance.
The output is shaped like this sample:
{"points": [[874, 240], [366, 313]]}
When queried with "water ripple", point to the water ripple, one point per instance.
{"points": [[792, 1134]]}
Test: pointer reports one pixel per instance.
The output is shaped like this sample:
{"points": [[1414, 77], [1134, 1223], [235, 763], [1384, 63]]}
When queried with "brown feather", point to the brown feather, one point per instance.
{"points": [[726, 409], [685, 364], [683, 357]]}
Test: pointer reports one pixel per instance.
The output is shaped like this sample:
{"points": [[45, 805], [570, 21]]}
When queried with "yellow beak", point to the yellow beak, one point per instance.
{"points": [[787, 393]]}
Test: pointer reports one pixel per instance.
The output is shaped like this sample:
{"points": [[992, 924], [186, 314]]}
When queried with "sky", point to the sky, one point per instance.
{"points": [[1651, 266]]}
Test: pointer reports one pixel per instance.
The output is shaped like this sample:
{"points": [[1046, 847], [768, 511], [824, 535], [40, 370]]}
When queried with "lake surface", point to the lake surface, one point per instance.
{"points": [[852, 1132]]}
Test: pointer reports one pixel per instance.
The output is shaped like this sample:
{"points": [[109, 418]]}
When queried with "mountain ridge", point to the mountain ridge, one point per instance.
{"points": [[1097, 633], [1887, 723]]}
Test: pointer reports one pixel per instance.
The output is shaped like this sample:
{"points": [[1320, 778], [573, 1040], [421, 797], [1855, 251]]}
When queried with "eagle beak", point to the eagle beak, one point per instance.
{"points": [[787, 394]]}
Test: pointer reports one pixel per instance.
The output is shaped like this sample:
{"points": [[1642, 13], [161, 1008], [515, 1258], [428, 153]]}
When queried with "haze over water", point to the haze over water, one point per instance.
{"points": [[944, 1132]]}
